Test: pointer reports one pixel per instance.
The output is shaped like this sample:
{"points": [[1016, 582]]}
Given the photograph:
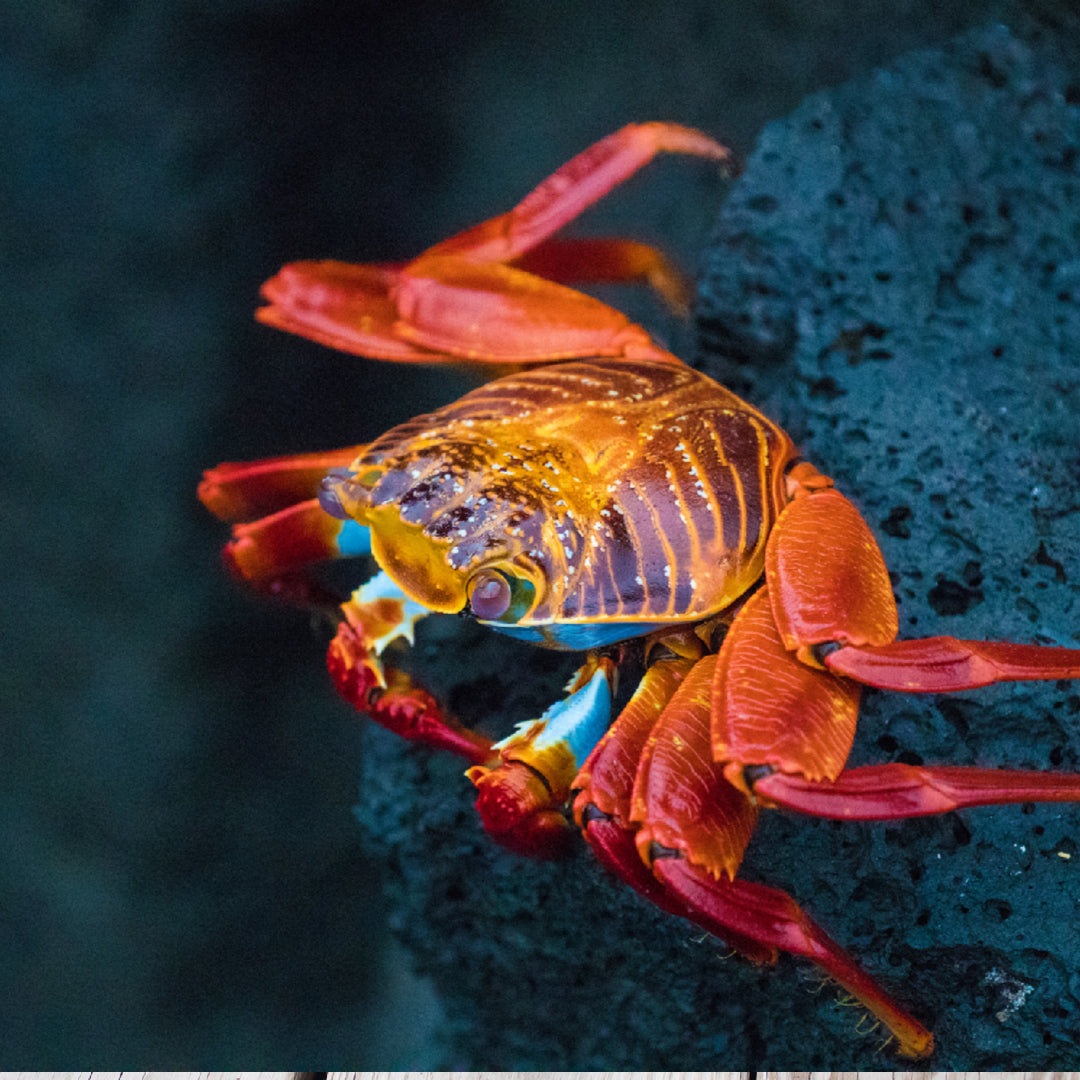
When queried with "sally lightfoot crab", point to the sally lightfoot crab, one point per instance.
{"points": [[600, 494]]}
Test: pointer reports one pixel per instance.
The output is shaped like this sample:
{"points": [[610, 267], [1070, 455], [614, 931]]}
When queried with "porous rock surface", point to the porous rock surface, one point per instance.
{"points": [[896, 278]]}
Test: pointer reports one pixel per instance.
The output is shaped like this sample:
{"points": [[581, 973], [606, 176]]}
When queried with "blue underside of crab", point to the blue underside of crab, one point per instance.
{"points": [[579, 721]]}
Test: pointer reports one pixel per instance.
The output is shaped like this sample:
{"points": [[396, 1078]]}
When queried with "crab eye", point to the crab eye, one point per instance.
{"points": [[329, 499], [489, 594]]}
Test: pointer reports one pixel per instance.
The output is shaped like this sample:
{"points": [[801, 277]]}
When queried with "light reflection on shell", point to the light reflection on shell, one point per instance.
{"points": [[626, 490]]}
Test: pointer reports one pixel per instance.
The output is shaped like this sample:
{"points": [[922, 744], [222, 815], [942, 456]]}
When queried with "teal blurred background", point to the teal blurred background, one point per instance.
{"points": [[182, 883]]}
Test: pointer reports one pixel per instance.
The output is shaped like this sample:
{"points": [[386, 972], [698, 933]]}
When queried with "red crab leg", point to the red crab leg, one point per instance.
{"points": [[772, 919], [930, 665], [826, 574], [833, 604], [460, 300], [754, 919], [887, 792], [597, 259], [605, 784], [574, 186], [273, 554], [606, 779], [694, 828], [243, 490], [350, 307], [615, 849], [771, 709], [341, 305], [496, 313], [681, 799]]}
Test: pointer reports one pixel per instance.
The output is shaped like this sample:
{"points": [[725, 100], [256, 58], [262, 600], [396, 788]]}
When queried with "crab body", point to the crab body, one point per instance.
{"points": [[623, 497], [604, 491]]}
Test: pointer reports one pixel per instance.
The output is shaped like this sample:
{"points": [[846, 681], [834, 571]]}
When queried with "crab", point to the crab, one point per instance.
{"points": [[602, 496]]}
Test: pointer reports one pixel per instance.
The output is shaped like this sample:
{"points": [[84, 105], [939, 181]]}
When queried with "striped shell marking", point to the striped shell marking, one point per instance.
{"points": [[623, 491]]}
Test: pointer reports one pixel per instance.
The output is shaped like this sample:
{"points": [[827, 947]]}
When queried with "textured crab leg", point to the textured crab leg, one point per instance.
{"points": [[378, 613], [826, 575], [496, 313], [243, 490], [694, 827], [574, 186], [887, 792], [349, 307], [681, 799], [446, 308], [770, 709], [833, 604], [428, 310], [274, 554], [521, 799], [599, 259], [932, 665], [768, 916], [342, 305], [604, 786], [459, 297], [606, 779], [773, 714]]}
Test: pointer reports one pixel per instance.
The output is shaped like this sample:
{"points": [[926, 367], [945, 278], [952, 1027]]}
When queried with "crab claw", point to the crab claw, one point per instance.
{"points": [[376, 615], [522, 800], [514, 803]]}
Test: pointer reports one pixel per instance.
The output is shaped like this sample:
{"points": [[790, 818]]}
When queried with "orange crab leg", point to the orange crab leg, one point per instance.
{"points": [[833, 606], [291, 540], [682, 801], [831, 603], [606, 779], [887, 792], [460, 300], [826, 575], [602, 808], [274, 553], [769, 709], [932, 665]]}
